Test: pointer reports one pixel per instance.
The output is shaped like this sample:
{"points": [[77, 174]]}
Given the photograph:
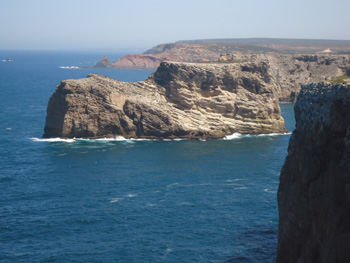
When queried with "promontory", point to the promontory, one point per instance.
{"points": [[179, 100]]}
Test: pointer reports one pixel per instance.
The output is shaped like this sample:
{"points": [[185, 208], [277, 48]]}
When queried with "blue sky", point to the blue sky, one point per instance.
{"points": [[129, 24]]}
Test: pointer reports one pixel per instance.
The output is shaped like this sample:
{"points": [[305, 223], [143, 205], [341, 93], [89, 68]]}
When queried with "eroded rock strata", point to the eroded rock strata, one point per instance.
{"points": [[180, 100], [289, 71], [314, 190]]}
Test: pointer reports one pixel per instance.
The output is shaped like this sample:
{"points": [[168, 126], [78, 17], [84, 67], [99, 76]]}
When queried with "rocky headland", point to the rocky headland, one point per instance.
{"points": [[179, 100], [314, 190], [151, 59]]}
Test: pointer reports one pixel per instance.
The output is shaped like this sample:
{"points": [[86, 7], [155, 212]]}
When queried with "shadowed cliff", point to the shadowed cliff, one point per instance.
{"points": [[314, 190]]}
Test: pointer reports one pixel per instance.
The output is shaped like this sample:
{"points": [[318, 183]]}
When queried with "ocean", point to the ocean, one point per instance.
{"points": [[127, 200]]}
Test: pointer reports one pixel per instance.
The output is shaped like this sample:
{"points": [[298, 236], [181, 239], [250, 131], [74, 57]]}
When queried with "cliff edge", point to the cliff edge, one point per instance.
{"points": [[180, 100], [314, 190], [289, 71]]}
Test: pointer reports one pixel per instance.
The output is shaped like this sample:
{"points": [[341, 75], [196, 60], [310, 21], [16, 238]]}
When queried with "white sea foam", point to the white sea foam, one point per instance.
{"points": [[117, 139], [162, 140], [52, 140], [115, 200], [233, 136], [69, 67], [110, 139], [274, 134], [8, 129], [240, 136], [131, 195], [142, 139], [131, 140]]}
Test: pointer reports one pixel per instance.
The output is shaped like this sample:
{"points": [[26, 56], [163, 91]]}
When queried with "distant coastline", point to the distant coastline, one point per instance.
{"points": [[212, 49]]}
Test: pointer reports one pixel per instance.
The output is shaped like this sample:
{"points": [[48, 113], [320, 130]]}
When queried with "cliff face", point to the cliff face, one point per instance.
{"points": [[314, 191], [290, 71], [179, 100]]}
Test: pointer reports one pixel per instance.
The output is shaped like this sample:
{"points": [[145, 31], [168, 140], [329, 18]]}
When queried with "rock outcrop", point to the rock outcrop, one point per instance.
{"points": [[314, 190], [104, 63], [138, 61], [290, 71], [179, 100]]}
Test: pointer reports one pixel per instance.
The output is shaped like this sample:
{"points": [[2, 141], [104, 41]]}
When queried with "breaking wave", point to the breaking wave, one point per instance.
{"points": [[34, 139], [240, 136], [111, 139], [122, 139]]}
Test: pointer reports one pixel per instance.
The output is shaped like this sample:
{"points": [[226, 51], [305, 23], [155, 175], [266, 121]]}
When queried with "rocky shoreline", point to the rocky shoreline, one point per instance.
{"points": [[180, 100]]}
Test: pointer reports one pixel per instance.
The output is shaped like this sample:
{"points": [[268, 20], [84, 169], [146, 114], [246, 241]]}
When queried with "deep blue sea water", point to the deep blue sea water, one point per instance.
{"points": [[126, 201]]}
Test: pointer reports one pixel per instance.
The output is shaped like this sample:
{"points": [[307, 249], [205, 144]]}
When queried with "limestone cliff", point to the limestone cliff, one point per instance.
{"points": [[289, 71], [314, 190], [180, 100]]}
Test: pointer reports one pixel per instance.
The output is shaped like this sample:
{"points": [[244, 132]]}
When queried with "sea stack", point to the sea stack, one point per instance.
{"points": [[180, 100], [314, 190]]}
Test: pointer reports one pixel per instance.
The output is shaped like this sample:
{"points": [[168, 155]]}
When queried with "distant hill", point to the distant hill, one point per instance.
{"points": [[284, 41], [279, 45]]}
